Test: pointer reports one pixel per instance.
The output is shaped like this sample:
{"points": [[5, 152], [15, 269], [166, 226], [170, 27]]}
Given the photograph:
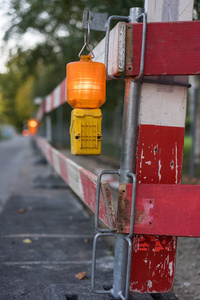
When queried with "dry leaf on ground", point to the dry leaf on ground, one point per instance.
{"points": [[81, 275], [21, 211], [27, 241]]}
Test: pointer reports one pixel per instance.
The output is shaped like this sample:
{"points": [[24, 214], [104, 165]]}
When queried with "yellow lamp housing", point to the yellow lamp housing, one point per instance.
{"points": [[85, 131], [86, 83]]}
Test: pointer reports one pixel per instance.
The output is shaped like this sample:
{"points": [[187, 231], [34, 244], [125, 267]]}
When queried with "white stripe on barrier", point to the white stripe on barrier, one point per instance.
{"points": [[82, 182], [154, 105], [48, 103], [57, 100], [56, 165], [74, 177]]}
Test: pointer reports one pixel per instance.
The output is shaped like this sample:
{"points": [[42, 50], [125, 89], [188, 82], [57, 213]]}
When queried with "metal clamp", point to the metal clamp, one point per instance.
{"points": [[143, 16], [108, 232], [94, 290], [94, 254], [140, 76], [97, 20], [98, 199], [111, 18]]}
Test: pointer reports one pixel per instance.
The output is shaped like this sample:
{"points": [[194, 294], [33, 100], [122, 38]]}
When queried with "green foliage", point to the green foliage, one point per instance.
{"points": [[58, 24], [23, 100], [36, 71]]}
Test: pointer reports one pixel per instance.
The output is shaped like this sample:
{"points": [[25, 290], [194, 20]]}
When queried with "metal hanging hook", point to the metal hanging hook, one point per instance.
{"points": [[86, 41]]}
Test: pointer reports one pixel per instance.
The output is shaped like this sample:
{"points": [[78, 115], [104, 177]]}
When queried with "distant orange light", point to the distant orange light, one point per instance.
{"points": [[32, 127], [32, 123], [25, 132]]}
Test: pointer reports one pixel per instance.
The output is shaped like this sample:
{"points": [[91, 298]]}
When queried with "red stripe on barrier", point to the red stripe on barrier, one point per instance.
{"points": [[153, 247], [160, 154], [159, 160], [106, 210]]}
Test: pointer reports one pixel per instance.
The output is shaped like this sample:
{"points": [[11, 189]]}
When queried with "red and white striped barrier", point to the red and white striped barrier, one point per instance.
{"points": [[53, 100], [159, 157], [82, 182], [158, 162]]}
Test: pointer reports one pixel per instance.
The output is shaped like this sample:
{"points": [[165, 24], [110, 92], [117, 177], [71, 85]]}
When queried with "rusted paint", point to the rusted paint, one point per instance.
{"points": [[167, 214], [123, 213], [109, 203], [144, 212]]}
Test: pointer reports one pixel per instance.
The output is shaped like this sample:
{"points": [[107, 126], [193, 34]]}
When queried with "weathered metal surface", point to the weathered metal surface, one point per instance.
{"points": [[157, 257], [166, 52]]}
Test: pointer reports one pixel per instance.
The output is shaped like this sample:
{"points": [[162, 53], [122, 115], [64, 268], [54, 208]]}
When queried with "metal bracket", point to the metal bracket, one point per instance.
{"points": [[110, 291], [98, 199], [97, 21], [108, 232]]}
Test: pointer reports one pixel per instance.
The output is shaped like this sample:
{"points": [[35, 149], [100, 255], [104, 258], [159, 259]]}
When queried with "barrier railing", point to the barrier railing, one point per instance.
{"points": [[152, 147]]}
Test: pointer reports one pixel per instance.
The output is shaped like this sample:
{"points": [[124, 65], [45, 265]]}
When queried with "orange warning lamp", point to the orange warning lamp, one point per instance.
{"points": [[32, 126], [86, 83]]}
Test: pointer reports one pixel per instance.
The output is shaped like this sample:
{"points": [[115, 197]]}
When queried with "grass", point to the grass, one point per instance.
{"points": [[186, 154]]}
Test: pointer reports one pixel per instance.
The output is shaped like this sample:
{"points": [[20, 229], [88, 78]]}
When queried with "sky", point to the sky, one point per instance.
{"points": [[29, 39], [3, 25]]}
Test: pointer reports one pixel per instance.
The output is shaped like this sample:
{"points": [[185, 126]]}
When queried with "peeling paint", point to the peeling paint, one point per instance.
{"points": [[176, 163], [155, 149], [149, 284], [171, 269], [142, 157], [159, 168], [172, 165]]}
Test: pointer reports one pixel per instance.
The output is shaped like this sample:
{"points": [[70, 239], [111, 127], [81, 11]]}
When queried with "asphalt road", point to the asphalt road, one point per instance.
{"points": [[46, 236], [60, 232], [12, 153]]}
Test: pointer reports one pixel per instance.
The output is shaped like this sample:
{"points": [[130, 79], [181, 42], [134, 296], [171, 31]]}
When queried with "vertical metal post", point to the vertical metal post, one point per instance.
{"points": [[129, 140], [59, 127], [49, 139], [48, 128]]}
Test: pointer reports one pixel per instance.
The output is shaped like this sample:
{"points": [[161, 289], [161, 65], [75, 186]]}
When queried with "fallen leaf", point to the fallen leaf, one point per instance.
{"points": [[81, 275], [21, 211], [27, 241], [86, 241]]}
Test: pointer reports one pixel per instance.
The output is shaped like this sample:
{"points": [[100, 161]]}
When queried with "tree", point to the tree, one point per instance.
{"points": [[57, 24], [23, 100]]}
